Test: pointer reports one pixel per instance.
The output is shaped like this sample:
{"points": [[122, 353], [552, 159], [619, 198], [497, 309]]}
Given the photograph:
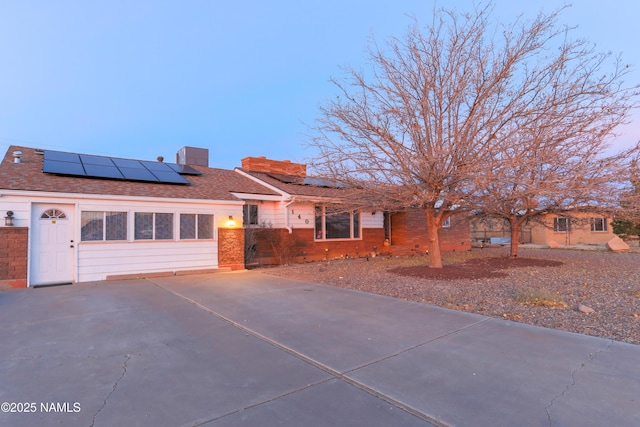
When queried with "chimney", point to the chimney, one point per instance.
{"points": [[193, 156], [285, 167], [17, 157]]}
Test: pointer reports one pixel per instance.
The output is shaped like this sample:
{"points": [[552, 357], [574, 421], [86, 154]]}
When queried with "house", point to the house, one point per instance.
{"points": [[304, 226], [72, 217], [571, 228], [78, 218], [574, 228]]}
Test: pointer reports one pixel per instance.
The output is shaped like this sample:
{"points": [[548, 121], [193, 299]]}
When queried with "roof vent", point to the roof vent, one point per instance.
{"points": [[17, 157]]}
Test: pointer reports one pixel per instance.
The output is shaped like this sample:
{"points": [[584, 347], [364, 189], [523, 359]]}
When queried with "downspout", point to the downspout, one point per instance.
{"points": [[286, 217]]}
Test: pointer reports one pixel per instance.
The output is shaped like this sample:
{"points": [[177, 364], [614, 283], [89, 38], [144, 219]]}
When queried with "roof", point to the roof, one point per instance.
{"points": [[212, 184], [307, 187]]}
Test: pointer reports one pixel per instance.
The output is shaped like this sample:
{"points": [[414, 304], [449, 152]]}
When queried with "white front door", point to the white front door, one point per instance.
{"points": [[52, 244]]}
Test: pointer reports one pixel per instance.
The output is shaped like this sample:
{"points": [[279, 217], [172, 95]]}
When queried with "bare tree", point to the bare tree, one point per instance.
{"points": [[420, 127], [627, 222], [558, 163]]}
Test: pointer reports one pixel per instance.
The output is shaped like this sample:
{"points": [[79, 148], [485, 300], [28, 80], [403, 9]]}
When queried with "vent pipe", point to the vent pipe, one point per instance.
{"points": [[17, 157]]}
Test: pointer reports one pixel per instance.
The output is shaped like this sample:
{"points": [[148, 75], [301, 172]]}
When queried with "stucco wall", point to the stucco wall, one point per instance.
{"points": [[579, 234]]}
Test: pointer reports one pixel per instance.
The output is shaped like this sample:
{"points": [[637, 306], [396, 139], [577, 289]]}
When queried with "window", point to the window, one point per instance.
{"points": [[561, 224], [53, 214], [447, 222], [100, 226], [598, 225], [196, 226], [336, 224], [250, 215], [153, 226]]}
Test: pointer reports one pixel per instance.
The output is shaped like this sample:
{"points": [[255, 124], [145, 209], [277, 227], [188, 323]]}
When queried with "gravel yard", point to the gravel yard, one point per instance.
{"points": [[543, 287]]}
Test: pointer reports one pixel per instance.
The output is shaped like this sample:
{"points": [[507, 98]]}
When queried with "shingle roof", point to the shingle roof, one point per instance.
{"points": [[213, 184], [294, 185]]}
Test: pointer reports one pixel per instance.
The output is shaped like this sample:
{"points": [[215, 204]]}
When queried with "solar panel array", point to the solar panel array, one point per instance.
{"points": [[62, 163], [312, 181]]}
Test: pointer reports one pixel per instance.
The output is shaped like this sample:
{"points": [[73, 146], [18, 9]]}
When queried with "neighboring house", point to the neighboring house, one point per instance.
{"points": [[120, 221], [72, 217], [573, 228], [303, 226]]}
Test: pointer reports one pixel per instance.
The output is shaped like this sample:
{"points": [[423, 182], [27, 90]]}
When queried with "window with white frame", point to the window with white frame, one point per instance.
{"points": [[447, 222], [153, 226], [196, 226], [250, 215], [101, 226], [599, 225], [561, 224], [336, 224]]}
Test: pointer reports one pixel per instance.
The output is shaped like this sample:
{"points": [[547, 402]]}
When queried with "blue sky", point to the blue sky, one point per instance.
{"points": [[143, 78]]}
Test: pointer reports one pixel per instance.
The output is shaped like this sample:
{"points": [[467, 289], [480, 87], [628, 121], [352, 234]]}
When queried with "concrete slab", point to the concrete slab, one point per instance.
{"points": [[253, 349], [335, 327], [146, 361], [504, 373], [329, 404]]}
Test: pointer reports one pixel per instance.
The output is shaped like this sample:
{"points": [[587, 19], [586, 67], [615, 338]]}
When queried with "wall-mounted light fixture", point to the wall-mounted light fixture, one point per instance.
{"points": [[8, 220], [231, 222]]}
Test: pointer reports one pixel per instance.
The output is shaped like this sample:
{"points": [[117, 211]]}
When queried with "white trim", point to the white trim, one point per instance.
{"points": [[84, 196], [264, 197]]}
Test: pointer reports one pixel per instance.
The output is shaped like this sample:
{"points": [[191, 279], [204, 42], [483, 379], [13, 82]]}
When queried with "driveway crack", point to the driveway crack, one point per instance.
{"points": [[115, 386], [573, 380]]}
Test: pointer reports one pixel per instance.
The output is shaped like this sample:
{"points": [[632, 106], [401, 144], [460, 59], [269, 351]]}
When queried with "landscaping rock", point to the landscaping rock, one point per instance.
{"points": [[585, 309], [552, 244], [616, 244]]}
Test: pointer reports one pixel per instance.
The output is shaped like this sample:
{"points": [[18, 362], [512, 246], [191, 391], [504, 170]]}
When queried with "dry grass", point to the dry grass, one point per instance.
{"points": [[539, 298]]}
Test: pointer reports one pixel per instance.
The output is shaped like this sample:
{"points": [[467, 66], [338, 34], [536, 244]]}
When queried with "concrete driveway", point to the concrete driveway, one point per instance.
{"points": [[250, 349]]}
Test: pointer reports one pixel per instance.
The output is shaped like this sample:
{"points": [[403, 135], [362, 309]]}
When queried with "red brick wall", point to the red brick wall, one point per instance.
{"points": [[457, 237], [13, 256], [409, 229], [231, 248], [262, 164], [303, 248]]}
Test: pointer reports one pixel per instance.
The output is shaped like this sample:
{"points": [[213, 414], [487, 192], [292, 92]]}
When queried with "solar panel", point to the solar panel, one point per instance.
{"points": [[61, 157], [323, 182], [183, 169], [170, 177], [63, 168], [156, 166], [287, 179], [99, 171], [90, 166], [139, 174], [128, 163], [96, 160]]}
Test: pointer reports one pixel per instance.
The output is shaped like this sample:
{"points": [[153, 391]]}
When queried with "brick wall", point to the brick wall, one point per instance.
{"points": [[13, 256], [277, 246], [285, 167], [231, 248], [409, 229]]}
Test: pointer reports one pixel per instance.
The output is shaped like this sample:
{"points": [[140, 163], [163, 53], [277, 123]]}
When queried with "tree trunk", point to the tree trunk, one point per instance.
{"points": [[433, 236], [515, 233]]}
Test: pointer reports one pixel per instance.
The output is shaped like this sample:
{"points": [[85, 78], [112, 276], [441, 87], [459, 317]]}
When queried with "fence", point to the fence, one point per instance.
{"points": [[504, 236]]}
